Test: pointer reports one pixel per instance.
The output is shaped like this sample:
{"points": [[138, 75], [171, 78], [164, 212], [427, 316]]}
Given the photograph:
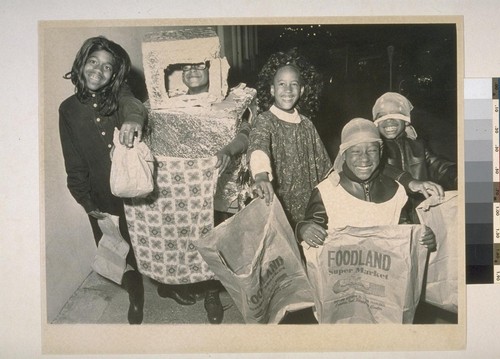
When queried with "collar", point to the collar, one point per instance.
{"points": [[398, 138], [285, 116]]}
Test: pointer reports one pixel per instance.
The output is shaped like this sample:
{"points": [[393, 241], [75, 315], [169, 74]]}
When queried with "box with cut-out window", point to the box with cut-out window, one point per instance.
{"points": [[193, 126], [184, 125], [163, 54]]}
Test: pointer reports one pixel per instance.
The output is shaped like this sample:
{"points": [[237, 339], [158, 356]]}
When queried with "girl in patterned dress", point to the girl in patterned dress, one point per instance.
{"points": [[287, 156]]}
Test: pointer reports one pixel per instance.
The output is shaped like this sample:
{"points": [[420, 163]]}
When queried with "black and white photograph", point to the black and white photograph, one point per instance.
{"points": [[267, 178]]}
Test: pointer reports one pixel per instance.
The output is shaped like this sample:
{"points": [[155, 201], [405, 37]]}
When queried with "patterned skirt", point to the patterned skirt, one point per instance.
{"points": [[165, 226]]}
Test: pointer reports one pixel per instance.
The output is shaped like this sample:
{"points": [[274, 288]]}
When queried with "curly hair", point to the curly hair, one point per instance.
{"points": [[109, 93], [308, 103]]}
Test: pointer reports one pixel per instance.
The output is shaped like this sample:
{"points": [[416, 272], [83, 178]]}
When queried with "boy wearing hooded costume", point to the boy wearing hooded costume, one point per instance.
{"points": [[356, 192], [403, 150]]}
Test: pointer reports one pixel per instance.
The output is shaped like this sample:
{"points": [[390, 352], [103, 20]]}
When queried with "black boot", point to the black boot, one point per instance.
{"points": [[132, 282], [178, 292], [213, 306]]}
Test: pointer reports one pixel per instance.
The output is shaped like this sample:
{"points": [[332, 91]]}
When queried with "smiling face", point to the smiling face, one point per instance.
{"points": [[195, 79], [363, 159], [391, 128], [286, 88], [98, 70]]}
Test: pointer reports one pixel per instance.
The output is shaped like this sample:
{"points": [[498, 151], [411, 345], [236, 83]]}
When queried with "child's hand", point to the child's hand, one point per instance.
{"points": [[97, 214], [427, 188], [428, 239], [263, 187], [127, 133], [313, 234], [223, 159]]}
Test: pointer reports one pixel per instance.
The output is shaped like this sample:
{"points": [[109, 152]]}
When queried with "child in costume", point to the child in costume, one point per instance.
{"points": [[403, 150], [287, 156], [356, 182], [355, 194], [196, 77], [87, 119]]}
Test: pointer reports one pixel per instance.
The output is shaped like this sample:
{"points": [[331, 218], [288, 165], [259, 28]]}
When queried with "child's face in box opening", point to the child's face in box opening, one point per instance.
{"points": [[391, 128], [286, 88], [195, 77], [362, 159], [98, 70]]}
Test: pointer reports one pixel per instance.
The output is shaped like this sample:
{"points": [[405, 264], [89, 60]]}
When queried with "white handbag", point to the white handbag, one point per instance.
{"points": [[131, 169]]}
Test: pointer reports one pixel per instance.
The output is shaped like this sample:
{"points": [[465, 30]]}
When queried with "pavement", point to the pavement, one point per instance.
{"points": [[100, 301]]}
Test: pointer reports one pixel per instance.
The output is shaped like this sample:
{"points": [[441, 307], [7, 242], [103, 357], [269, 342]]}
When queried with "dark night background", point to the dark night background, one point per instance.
{"points": [[359, 63], [355, 65]]}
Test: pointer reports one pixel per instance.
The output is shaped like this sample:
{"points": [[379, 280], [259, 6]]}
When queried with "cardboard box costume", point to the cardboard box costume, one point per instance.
{"points": [[185, 132]]}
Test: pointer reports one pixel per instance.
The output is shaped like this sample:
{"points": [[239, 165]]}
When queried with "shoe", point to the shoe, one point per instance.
{"points": [[179, 293], [213, 306], [132, 282]]}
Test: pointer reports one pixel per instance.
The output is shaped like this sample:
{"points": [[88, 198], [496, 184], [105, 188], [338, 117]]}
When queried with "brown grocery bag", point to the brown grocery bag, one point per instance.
{"points": [[367, 275], [441, 287], [112, 250], [255, 256]]}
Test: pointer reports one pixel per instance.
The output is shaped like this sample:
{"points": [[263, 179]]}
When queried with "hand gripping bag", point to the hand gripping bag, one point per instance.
{"points": [[255, 256]]}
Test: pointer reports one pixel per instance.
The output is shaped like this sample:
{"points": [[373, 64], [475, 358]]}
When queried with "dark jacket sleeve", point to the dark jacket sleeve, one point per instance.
{"points": [[441, 170], [77, 170], [315, 213], [130, 108], [398, 175], [245, 128]]}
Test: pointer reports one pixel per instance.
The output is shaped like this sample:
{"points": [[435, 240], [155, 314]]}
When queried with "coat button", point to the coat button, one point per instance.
{"points": [[95, 105], [109, 146], [103, 133], [98, 119]]}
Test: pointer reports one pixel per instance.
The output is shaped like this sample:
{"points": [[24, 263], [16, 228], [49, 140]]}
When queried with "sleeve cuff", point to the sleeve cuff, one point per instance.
{"points": [[296, 232], [259, 162], [405, 180], [136, 118], [88, 205]]}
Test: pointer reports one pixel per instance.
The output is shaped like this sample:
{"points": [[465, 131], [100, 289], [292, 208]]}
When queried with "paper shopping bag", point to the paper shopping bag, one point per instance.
{"points": [[441, 287], [131, 169], [112, 250], [367, 275], [255, 256]]}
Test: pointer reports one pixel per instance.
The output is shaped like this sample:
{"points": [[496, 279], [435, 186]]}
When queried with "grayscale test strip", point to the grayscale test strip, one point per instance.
{"points": [[480, 120], [496, 181]]}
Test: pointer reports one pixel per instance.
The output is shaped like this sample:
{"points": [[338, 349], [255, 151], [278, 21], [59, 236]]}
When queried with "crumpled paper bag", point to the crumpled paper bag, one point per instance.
{"points": [[255, 256], [112, 250], [441, 288]]}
